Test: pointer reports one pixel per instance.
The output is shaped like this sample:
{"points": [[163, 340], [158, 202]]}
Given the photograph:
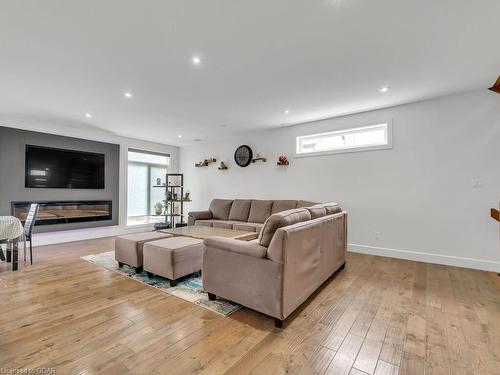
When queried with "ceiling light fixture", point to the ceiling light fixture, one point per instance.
{"points": [[196, 60], [384, 89], [128, 94], [179, 136], [286, 111], [88, 115]]}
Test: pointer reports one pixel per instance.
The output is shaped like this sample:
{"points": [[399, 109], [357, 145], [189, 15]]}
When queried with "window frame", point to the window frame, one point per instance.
{"points": [[386, 146], [127, 224]]}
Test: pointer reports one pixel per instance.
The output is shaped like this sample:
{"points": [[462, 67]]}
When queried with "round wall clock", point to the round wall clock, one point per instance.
{"points": [[243, 156]]}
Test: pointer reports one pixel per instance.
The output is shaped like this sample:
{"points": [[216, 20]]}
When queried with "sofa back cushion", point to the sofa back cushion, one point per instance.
{"points": [[240, 210], [259, 211], [283, 205], [332, 208], [316, 211], [220, 208], [301, 204], [279, 220]]}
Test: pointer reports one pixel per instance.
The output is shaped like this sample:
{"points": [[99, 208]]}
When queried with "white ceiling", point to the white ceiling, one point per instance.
{"points": [[317, 58]]}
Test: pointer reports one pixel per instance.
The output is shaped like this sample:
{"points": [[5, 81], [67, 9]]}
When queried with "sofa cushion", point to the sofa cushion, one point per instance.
{"points": [[260, 210], [249, 227], [316, 211], [283, 205], [279, 220], [220, 208], [332, 208], [301, 204], [226, 224], [240, 209], [206, 223]]}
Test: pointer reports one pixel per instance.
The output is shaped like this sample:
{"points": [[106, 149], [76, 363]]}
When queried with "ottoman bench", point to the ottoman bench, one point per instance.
{"points": [[128, 248], [173, 257]]}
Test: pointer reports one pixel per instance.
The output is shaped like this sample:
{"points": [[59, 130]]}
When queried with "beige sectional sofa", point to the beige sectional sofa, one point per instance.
{"points": [[296, 251], [242, 214]]}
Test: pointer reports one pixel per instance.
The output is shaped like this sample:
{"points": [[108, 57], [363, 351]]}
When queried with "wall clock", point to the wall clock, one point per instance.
{"points": [[243, 156]]}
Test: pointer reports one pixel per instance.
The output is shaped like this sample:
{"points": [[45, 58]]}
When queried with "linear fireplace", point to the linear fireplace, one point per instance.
{"points": [[57, 212]]}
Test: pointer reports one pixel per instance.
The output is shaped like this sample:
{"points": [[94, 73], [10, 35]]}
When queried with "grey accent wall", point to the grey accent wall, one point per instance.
{"points": [[12, 171]]}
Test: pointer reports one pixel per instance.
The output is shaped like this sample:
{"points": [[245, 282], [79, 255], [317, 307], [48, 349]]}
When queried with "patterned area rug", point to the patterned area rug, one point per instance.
{"points": [[189, 288]]}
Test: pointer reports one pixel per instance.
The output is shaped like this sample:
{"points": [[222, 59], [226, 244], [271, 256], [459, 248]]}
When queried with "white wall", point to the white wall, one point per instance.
{"points": [[418, 195], [87, 132]]}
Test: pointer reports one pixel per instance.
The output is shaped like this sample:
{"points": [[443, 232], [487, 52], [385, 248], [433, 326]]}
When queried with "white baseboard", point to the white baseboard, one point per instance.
{"points": [[478, 264], [50, 238]]}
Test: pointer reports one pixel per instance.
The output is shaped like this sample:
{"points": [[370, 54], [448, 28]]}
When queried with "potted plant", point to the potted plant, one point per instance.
{"points": [[158, 208]]}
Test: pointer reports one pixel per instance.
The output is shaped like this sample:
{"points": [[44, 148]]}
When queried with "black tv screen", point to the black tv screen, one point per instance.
{"points": [[56, 168]]}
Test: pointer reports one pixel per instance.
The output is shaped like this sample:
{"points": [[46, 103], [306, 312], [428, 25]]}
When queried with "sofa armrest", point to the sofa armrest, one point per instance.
{"points": [[236, 246], [198, 215]]}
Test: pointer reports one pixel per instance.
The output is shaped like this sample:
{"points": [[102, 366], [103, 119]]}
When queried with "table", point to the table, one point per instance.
{"points": [[11, 229], [202, 232]]}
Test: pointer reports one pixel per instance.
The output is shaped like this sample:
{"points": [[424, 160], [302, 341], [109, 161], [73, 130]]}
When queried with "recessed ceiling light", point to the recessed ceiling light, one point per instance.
{"points": [[88, 115], [179, 136], [286, 111], [128, 94], [384, 89], [196, 60]]}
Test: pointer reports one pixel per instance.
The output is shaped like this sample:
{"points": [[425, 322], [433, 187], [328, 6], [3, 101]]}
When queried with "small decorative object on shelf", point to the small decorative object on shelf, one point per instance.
{"points": [[222, 166], [158, 181], [259, 157], [158, 208], [187, 196], [283, 160], [205, 162]]}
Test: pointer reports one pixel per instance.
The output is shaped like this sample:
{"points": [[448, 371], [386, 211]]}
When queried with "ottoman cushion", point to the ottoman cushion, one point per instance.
{"points": [[173, 257], [128, 248]]}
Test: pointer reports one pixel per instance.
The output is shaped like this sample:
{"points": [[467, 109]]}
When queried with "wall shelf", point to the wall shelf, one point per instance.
{"points": [[259, 159], [205, 163]]}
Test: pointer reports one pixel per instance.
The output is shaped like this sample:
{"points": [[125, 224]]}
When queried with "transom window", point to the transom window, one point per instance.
{"points": [[365, 138]]}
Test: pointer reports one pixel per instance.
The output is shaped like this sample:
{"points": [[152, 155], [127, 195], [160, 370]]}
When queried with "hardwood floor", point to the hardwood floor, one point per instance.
{"points": [[378, 316]]}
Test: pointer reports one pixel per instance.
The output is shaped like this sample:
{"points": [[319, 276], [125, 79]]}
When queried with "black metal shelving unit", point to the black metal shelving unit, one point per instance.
{"points": [[175, 190]]}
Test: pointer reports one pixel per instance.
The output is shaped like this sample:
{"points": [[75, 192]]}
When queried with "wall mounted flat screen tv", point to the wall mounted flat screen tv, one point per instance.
{"points": [[48, 167]]}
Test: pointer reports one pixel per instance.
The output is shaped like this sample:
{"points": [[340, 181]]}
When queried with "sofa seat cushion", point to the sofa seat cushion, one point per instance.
{"points": [[283, 205], [173, 257], [220, 208], [260, 210], [240, 209], [206, 223], [226, 224], [279, 220], [249, 227]]}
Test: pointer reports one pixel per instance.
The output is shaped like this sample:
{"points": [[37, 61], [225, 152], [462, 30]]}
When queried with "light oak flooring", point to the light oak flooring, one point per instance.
{"points": [[378, 316]]}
